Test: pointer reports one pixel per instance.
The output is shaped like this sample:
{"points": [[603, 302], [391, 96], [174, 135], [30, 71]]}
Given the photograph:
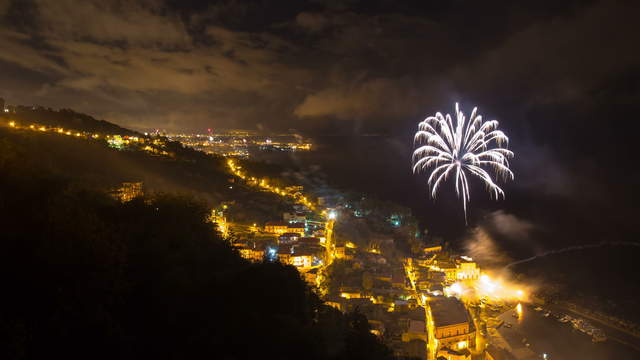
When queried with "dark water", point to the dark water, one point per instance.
{"points": [[560, 341], [560, 209]]}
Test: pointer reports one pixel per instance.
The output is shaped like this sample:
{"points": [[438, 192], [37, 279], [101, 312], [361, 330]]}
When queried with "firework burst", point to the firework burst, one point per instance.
{"points": [[462, 149]]}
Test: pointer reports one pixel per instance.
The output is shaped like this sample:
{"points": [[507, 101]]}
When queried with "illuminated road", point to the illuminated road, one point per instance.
{"points": [[431, 350], [559, 340]]}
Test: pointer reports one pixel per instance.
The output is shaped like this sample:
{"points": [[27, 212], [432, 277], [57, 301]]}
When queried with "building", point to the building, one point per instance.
{"points": [[436, 276], [383, 275], [250, 251], [344, 252], [276, 227], [436, 290], [449, 269], [451, 354], [284, 255], [294, 217], [398, 279], [362, 304], [309, 241], [350, 292], [306, 256], [311, 276], [302, 260], [288, 238], [452, 325], [416, 330], [467, 270], [127, 191], [430, 249], [423, 280], [296, 228]]}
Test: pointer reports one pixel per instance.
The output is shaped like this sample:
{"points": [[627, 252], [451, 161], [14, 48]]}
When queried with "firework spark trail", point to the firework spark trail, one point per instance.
{"points": [[464, 149], [574, 248]]}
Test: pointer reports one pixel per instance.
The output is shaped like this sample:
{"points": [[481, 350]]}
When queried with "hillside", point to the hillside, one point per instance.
{"points": [[93, 163], [86, 276], [64, 118]]}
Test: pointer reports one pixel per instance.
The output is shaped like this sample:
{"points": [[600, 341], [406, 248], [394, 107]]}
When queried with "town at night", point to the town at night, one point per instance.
{"points": [[323, 179]]}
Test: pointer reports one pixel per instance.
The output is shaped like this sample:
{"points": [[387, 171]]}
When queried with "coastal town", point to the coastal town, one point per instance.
{"points": [[429, 304], [239, 143], [420, 298]]}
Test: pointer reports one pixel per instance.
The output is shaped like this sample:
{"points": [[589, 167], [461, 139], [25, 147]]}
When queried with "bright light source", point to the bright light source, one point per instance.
{"points": [[454, 289], [332, 215], [462, 345]]}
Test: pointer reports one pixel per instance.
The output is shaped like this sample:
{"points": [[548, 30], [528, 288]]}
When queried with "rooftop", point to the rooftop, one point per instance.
{"points": [[285, 235], [448, 311], [417, 326]]}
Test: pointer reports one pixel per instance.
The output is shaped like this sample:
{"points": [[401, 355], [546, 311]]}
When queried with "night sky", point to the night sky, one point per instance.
{"points": [[562, 77], [317, 66]]}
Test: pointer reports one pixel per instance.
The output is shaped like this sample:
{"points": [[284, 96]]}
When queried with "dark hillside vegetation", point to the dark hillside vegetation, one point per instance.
{"points": [[65, 118]]}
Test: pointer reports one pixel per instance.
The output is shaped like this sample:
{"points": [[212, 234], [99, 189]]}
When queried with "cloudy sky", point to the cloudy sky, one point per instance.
{"points": [[320, 66]]}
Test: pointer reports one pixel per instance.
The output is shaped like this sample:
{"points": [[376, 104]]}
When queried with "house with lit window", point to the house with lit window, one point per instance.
{"points": [[277, 227], [452, 326], [284, 254], [430, 249], [250, 251], [467, 270], [288, 238], [296, 228], [449, 269]]}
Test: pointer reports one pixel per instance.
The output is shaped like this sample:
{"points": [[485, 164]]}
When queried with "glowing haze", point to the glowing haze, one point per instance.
{"points": [[461, 149]]}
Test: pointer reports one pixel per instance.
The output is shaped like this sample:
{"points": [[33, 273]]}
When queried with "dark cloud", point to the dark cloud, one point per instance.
{"points": [[309, 65]]}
